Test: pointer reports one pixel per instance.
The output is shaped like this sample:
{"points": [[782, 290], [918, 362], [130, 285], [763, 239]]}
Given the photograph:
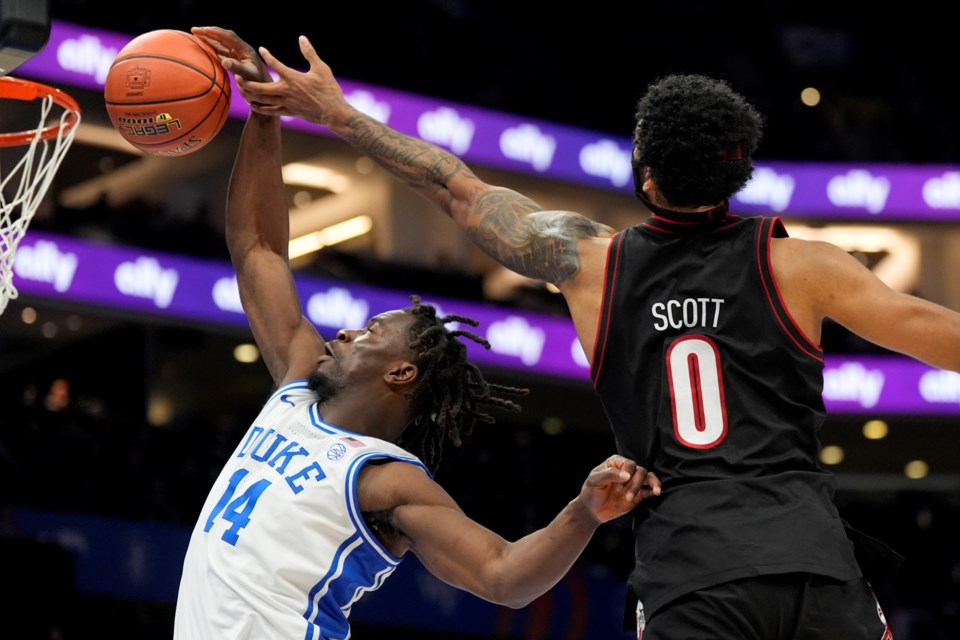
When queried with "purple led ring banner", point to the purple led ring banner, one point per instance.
{"points": [[144, 281], [80, 57]]}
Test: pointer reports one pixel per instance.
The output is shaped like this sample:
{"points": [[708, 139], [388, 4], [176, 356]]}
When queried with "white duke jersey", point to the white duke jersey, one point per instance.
{"points": [[281, 549]]}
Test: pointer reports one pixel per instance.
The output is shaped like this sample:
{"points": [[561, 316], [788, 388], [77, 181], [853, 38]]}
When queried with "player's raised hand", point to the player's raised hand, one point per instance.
{"points": [[616, 486], [313, 95], [236, 56]]}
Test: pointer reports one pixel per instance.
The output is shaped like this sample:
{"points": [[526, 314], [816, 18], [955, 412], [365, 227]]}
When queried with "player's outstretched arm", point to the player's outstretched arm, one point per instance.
{"points": [[258, 231], [469, 556], [510, 227], [839, 287]]}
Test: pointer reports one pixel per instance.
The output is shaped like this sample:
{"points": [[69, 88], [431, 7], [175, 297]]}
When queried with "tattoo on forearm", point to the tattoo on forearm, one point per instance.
{"points": [[418, 163], [538, 244], [509, 227]]}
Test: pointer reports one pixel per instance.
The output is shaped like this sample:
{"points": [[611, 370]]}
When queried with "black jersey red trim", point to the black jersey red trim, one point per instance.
{"points": [[606, 304], [770, 228]]}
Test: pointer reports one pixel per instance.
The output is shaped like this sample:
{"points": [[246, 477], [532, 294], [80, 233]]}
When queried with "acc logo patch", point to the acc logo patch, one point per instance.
{"points": [[336, 451]]}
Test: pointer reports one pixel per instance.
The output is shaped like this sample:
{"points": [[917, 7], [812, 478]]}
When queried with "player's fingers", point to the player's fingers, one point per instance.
{"points": [[275, 64], [604, 475], [620, 462], [258, 99], [204, 32], [633, 487], [247, 87], [267, 110], [230, 64], [630, 477], [211, 30], [222, 41], [214, 43], [309, 52], [652, 485], [255, 88], [610, 475], [617, 468]]}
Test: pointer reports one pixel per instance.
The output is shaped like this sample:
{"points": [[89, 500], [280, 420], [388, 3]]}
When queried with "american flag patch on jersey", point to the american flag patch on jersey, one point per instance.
{"points": [[353, 442]]}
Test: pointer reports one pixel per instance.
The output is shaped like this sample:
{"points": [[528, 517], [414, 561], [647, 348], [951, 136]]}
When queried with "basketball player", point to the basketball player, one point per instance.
{"points": [[317, 505], [703, 330]]}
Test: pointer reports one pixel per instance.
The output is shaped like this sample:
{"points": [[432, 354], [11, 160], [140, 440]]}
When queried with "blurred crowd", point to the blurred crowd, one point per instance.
{"points": [[69, 446], [76, 437]]}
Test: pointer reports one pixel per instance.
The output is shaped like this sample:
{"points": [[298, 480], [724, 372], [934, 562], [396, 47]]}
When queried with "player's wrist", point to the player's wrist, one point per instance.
{"points": [[583, 514]]}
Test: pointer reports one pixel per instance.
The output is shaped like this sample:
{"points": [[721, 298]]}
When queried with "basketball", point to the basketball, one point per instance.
{"points": [[167, 94]]}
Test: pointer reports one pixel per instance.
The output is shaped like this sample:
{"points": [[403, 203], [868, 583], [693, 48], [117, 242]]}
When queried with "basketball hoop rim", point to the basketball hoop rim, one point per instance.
{"points": [[20, 89]]}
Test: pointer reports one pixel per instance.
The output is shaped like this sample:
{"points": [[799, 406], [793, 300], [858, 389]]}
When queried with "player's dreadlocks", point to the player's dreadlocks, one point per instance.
{"points": [[451, 394], [697, 136]]}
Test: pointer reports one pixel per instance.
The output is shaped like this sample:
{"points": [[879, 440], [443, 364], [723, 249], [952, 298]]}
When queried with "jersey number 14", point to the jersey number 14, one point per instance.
{"points": [[236, 510]]}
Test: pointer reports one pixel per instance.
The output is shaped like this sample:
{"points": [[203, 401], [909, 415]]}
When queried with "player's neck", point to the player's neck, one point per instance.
{"points": [[657, 203], [365, 415], [659, 206]]}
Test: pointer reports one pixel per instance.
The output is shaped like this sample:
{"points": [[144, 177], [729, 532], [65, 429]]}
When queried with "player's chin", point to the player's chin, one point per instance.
{"points": [[324, 382]]}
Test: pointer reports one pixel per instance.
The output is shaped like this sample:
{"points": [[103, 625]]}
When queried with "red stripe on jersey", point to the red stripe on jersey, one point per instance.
{"points": [[761, 260], [606, 306]]}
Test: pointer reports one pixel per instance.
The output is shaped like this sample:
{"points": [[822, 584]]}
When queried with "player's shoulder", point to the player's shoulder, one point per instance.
{"points": [[398, 468], [388, 483], [811, 267], [806, 249]]}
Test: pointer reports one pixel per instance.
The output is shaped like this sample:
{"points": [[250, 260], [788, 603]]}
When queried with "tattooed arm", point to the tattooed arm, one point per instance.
{"points": [[510, 227]]}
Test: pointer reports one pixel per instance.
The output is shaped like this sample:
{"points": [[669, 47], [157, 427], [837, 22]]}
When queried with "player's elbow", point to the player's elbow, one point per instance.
{"points": [[510, 596], [239, 243], [509, 588], [507, 574], [516, 604]]}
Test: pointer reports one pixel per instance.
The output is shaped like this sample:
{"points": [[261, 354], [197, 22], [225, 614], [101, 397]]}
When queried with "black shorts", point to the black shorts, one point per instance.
{"points": [[791, 606]]}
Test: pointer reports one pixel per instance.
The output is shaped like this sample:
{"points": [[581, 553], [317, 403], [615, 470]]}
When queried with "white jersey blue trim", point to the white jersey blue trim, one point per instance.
{"points": [[281, 548]]}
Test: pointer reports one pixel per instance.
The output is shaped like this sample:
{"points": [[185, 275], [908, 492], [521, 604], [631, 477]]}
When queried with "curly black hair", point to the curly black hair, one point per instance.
{"points": [[451, 394], [697, 136]]}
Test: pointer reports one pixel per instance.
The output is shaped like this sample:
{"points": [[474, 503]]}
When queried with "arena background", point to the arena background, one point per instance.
{"points": [[116, 417]]}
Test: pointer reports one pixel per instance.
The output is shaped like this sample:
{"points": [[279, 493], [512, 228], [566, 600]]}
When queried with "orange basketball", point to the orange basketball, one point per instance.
{"points": [[166, 93]]}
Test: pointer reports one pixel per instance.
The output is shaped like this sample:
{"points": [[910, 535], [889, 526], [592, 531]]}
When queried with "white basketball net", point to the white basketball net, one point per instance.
{"points": [[22, 190]]}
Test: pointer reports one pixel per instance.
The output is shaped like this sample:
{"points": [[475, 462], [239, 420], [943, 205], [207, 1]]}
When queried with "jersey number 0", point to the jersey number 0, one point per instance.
{"points": [[696, 391]]}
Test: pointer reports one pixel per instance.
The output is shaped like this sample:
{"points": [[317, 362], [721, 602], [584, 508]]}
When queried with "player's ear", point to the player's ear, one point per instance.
{"points": [[649, 185], [402, 372]]}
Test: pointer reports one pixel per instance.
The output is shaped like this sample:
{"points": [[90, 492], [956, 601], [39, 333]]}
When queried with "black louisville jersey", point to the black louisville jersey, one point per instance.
{"points": [[707, 381]]}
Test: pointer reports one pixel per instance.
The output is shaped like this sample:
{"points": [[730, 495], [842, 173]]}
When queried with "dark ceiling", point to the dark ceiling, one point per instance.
{"points": [[883, 73]]}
